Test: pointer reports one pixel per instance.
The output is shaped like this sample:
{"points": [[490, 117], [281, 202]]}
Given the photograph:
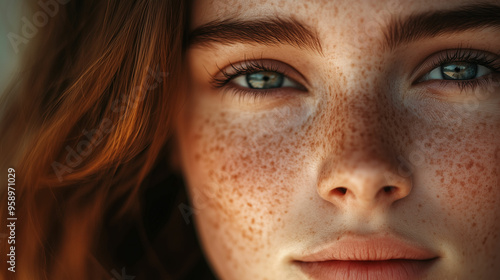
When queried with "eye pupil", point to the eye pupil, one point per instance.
{"points": [[459, 71], [264, 80]]}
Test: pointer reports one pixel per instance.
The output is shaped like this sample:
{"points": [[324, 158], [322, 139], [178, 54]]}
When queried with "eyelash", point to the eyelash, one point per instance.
{"points": [[469, 56], [244, 68], [459, 55]]}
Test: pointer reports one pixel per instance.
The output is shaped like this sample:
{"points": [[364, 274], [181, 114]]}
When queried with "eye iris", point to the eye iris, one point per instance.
{"points": [[459, 71], [263, 80]]}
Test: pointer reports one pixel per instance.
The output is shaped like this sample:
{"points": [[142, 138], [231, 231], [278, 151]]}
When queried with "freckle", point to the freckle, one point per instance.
{"points": [[249, 204], [469, 165]]}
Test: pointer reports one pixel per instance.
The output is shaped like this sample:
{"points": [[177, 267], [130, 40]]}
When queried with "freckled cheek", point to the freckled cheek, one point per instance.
{"points": [[459, 170], [242, 170], [250, 168], [456, 172], [475, 171]]}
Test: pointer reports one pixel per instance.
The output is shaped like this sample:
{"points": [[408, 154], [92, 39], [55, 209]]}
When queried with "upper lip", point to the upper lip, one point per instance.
{"points": [[374, 248]]}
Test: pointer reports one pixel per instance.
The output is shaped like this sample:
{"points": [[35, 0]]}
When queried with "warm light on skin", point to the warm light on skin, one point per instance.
{"points": [[260, 171]]}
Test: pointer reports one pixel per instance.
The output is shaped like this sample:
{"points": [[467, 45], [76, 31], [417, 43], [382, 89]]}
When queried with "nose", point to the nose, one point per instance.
{"points": [[366, 184], [362, 169]]}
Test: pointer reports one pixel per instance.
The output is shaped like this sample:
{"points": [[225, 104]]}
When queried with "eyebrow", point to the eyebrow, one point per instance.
{"points": [[435, 23], [399, 31], [276, 31]]}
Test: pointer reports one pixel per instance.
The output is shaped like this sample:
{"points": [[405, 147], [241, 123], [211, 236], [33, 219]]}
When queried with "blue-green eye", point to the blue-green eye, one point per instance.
{"points": [[457, 71], [264, 80]]}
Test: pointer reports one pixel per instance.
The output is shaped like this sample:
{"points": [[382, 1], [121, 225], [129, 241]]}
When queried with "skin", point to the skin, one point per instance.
{"points": [[262, 172]]}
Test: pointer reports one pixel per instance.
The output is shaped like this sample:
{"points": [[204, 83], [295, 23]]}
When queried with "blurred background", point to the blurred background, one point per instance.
{"points": [[10, 21]]}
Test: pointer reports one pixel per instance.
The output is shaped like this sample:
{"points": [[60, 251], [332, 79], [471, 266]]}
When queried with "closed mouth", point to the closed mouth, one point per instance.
{"points": [[367, 258]]}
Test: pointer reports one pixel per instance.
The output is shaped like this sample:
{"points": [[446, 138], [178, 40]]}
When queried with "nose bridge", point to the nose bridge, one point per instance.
{"points": [[362, 167], [364, 135]]}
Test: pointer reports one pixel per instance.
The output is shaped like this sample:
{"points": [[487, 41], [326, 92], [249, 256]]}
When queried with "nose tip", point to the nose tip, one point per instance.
{"points": [[366, 186]]}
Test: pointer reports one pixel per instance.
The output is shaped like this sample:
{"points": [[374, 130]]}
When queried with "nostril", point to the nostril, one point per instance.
{"points": [[340, 190], [389, 189]]}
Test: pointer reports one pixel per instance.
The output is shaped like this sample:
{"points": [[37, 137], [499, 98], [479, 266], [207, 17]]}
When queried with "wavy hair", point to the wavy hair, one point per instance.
{"points": [[87, 128]]}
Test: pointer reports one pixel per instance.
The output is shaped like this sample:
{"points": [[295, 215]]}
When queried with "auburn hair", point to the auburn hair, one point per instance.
{"points": [[87, 128]]}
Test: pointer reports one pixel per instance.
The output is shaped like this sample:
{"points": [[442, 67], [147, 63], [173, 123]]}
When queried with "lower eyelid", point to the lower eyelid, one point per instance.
{"points": [[457, 88]]}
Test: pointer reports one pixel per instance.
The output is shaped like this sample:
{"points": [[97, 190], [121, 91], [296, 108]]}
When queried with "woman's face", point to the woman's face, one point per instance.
{"points": [[319, 135]]}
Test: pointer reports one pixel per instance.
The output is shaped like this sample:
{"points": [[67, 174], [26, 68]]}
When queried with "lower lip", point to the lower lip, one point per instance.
{"points": [[360, 270]]}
